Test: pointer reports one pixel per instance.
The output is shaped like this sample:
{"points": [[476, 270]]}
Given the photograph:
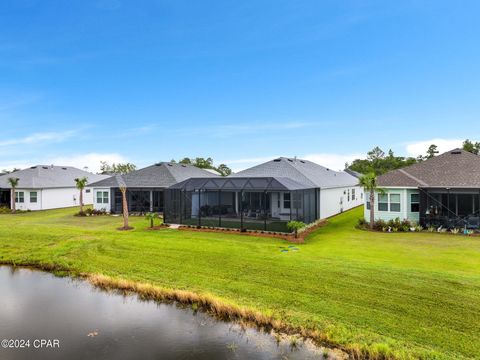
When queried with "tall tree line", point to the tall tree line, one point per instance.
{"points": [[378, 162]]}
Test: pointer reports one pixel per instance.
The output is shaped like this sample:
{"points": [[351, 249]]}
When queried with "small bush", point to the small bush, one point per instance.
{"points": [[294, 226], [5, 210], [362, 224], [380, 225], [91, 212]]}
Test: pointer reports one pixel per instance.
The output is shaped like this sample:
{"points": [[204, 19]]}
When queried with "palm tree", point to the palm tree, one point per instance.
{"points": [[80, 183], [123, 189], [369, 183], [13, 183], [122, 185], [151, 216]]}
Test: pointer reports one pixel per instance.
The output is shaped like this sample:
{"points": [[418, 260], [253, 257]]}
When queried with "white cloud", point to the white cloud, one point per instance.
{"points": [[90, 160], [40, 138], [80, 161], [420, 147], [333, 161]]}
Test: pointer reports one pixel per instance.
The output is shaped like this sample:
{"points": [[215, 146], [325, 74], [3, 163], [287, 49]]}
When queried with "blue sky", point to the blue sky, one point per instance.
{"points": [[239, 81]]}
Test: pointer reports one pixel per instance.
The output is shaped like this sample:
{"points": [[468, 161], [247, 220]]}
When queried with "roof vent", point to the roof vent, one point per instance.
{"points": [[33, 167], [183, 165], [277, 160], [303, 162], [290, 160], [456, 152], [169, 164], [45, 167], [158, 164], [64, 168]]}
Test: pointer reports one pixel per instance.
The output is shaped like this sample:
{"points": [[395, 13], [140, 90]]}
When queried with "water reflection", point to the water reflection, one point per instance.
{"points": [[93, 324]]}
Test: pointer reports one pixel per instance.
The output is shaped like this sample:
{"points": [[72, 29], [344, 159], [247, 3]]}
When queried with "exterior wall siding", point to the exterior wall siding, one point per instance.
{"points": [[54, 198], [102, 206], [405, 206], [336, 200]]}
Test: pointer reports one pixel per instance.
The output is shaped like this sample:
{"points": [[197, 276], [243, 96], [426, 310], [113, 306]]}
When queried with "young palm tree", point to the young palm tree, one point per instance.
{"points": [[123, 189], [369, 183], [80, 183], [151, 216], [13, 184], [122, 185]]}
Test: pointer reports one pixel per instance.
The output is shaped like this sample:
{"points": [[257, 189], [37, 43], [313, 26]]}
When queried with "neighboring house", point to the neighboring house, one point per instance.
{"points": [[442, 191], [45, 187], [145, 187], [264, 197]]}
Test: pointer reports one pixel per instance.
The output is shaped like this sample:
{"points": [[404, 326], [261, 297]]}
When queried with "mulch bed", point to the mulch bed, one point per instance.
{"points": [[266, 234]]}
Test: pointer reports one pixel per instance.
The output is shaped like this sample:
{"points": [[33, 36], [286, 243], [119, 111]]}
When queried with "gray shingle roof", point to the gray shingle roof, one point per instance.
{"points": [[240, 183], [161, 175], [304, 172], [48, 176], [454, 169]]}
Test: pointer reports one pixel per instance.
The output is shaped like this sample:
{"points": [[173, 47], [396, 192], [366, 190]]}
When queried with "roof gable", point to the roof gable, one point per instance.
{"points": [[48, 176], [304, 172], [160, 175], [453, 169]]}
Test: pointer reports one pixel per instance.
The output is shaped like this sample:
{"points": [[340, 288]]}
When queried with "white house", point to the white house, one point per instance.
{"points": [[264, 197], [145, 187], [337, 191], [44, 187]]}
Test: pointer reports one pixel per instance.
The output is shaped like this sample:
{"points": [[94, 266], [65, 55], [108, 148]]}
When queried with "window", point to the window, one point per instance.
{"points": [[414, 203], [19, 197], [286, 200], [348, 196], [368, 204], [87, 191], [102, 197], [395, 202], [383, 202], [353, 194], [361, 195], [33, 196]]}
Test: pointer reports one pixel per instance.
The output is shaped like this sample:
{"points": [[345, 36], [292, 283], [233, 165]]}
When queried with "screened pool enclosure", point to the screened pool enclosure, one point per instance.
{"points": [[266, 203]]}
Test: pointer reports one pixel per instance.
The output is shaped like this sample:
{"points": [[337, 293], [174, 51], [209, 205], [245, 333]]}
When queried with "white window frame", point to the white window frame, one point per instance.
{"points": [[19, 195], [383, 202], [399, 202], [36, 197], [103, 196]]}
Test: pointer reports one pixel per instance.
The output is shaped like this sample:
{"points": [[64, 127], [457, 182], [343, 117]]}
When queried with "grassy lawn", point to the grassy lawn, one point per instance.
{"points": [[409, 295]]}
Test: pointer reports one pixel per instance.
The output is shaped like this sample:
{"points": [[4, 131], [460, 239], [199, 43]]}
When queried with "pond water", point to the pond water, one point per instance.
{"points": [[93, 324]]}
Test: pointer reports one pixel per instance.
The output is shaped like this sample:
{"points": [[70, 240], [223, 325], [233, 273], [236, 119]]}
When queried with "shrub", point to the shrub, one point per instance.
{"points": [[362, 223], [5, 210], [91, 212], [294, 226], [379, 225]]}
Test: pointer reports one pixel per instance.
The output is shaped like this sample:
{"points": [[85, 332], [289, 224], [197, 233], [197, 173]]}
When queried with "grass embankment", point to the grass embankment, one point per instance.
{"points": [[414, 295]]}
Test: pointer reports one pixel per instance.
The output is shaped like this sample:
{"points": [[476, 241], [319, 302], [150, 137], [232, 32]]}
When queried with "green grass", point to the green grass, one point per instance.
{"points": [[404, 295]]}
